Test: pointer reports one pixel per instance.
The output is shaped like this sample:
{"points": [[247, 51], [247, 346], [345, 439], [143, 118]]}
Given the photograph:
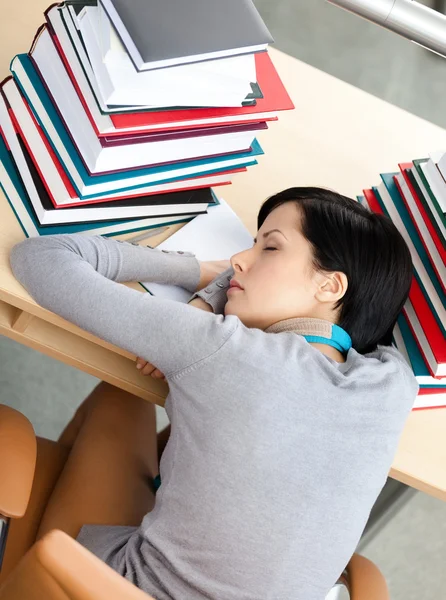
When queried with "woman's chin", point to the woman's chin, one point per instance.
{"points": [[231, 308]]}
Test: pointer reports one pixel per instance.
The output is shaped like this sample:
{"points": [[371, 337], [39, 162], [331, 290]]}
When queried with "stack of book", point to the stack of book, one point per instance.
{"points": [[415, 200], [124, 115]]}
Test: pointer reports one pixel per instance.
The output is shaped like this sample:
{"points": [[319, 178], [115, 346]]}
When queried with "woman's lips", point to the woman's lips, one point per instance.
{"points": [[234, 283], [234, 289]]}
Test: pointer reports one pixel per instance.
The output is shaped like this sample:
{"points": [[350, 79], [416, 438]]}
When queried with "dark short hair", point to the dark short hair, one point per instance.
{"points": [[367, 247]]}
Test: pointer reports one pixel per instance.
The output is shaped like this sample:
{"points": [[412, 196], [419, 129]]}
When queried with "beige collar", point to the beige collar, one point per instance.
{"points": [[302, 326]]}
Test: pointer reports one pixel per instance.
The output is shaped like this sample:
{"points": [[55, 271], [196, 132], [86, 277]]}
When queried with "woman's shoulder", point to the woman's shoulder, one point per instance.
{"points": [[387, 375], [392, 357]]}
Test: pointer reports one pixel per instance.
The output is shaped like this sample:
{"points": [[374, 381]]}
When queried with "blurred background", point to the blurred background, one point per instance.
{"points": [[361, 53], [406, 534]]}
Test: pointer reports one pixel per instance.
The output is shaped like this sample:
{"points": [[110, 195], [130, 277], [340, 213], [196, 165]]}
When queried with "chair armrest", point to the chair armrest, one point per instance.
{"points": [[59, 568], [365, 580], [18, 450]]}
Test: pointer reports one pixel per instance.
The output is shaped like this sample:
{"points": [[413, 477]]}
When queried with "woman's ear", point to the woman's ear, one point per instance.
{"points": [[332, 287]]}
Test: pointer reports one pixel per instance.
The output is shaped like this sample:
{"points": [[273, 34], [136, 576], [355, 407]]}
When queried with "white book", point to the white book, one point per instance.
{"points": [[241, 67], [190, 85], [217, 235], [435, 179], [70, 36], [159, 35], [439, 158], [428, 199], [99, 159]]}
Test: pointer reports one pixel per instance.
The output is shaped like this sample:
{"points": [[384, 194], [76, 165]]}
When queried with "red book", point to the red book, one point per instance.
{"points": [[275, 98], [431, 330], [428, 322], [430, 398], [372, 201]]}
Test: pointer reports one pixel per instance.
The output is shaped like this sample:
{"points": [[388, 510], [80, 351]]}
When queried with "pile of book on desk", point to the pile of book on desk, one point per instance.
{"points": [[123, 115], [415, 200]]}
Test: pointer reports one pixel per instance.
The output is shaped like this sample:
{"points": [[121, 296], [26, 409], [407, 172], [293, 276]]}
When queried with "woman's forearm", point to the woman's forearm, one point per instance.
{"points": [[113, 259], [77, 277]]}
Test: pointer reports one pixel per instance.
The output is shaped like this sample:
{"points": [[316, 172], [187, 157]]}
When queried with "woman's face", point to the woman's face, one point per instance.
{"points": [[276, 274]]}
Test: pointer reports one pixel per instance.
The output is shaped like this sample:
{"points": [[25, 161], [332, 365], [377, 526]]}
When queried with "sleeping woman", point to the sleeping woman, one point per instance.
{"points": [[286, 400]]}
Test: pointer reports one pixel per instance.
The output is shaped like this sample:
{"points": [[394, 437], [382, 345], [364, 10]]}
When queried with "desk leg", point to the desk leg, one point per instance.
{"points": [[21, 320]]}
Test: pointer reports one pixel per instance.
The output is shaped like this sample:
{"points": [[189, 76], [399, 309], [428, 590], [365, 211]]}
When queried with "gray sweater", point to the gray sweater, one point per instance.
{"points": [[277, 452]]}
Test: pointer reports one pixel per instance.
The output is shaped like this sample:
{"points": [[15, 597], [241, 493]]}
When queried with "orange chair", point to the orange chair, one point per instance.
{"points": [[57, 567]]}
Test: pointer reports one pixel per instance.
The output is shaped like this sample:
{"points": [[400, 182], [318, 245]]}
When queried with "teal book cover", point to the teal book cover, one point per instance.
{"points": [[418, 363], [206, 166]]}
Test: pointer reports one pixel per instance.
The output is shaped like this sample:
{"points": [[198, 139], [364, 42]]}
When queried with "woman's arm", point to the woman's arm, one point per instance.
{"points": [[77, 277]]}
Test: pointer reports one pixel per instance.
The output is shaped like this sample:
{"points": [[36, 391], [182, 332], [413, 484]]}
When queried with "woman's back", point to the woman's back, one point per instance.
{"points": [[264, 431]]}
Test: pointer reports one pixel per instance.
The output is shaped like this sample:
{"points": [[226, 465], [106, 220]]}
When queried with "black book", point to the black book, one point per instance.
{"points": [[173, 204]]}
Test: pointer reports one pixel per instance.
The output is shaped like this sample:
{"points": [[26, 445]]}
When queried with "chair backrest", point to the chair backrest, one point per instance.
{"points": [[59, 568]]}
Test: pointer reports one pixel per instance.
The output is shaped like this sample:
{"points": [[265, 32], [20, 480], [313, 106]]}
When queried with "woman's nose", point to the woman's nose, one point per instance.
{"points": [[239, 261], [234, 263]]}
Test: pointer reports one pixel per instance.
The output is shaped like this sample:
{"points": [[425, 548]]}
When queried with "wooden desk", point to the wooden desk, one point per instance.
{"points": [[338, 137]]}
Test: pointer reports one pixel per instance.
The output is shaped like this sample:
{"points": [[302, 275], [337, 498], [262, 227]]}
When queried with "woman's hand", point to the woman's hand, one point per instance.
{"points": [[210, 269], [147, 368]]}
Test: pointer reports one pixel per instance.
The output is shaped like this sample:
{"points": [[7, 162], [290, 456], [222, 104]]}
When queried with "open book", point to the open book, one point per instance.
{"points": [[216, 235]]}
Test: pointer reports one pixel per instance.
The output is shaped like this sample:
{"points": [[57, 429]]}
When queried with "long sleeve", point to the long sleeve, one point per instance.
{"points": [[215, 294], [78, 277]]}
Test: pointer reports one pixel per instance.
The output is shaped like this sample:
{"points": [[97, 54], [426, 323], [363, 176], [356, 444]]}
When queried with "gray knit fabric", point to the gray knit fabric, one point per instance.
{"points": [[277, 452]]}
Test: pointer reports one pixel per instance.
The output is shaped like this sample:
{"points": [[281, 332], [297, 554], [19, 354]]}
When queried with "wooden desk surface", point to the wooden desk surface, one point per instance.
{"points": [[338, 137]]}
